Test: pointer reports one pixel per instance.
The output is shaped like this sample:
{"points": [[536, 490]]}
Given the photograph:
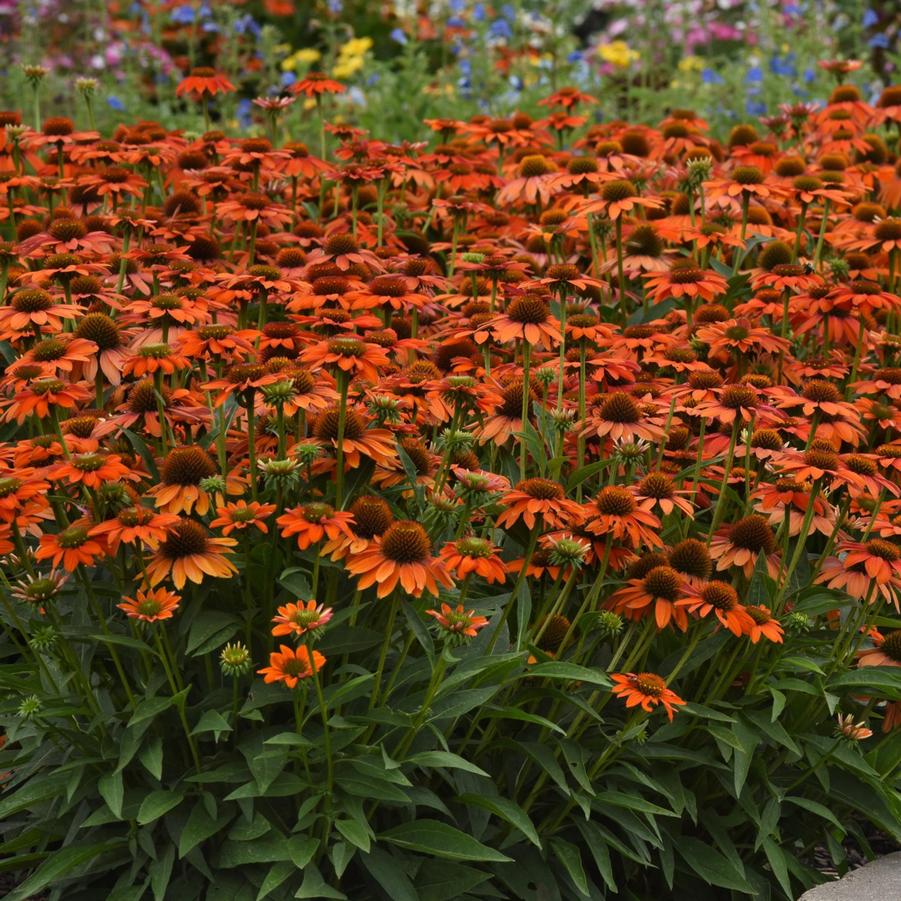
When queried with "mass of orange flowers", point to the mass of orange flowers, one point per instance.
{"points": [[638, 376]]}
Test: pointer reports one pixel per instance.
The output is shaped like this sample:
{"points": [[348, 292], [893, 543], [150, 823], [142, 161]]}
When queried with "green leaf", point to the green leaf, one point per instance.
{"points": [[62, 864], [441, 840], [446, 880], [356, 833], [818, 809], [199, 827], [776, 859], [571, 858], [156, 804], [459, 702], [560, 669], [711, 866], [277, 874], [513, 713], [125, 641], [151, 756], [389, 874], [507, 810], [314, 886], [210, 630], [876, 681], [112, 791], [597, 847], [266, 767], [632, 802], [212, 721], [161, 872], [435, 759], [149, 708]]}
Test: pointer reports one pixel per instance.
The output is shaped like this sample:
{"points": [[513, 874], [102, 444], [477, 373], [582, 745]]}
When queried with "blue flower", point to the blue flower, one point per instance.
{"points": [[755, 73], [335, 7], [784, 65], [399, 36], [478, 12], [711, 76], [755, 107], [879, 40], [245, 112], [456, 22], [810, 74], [500, 28], [115, 103], [575, 57], [287, 79], [457, 6], [246, 24], [870, 18], [183, 15]]}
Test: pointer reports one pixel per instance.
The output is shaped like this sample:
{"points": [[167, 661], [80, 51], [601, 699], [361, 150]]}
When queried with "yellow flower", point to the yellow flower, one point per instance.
{"points": [[344, 68], [691, 64], [618, 53], [356, 47], [304, 57]]}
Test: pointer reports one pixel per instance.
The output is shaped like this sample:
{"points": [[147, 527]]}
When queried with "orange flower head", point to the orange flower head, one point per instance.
{"points": [[647, 690], [151, 606], [291, 665], [300, 618]]}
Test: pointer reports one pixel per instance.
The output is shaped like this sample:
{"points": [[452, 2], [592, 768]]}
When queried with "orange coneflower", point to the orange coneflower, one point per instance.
{"points": [[458, 621], [645, 689], [621, 418], [359, 440], [721, 599], [619, 196], [72, 547], [685, 279], [371, 517], [181, 479], [34, 310], [151, 606], [660, 589], [864, 570], [534, 500], [480, 556], [135, 525], [91, 469], [204, 80], [314, 521], [791, 497], [315, 84], [300, 618], [18, 488], [885, 652], [402, 556], [241, 515], [42, 395], [349, 355], [615, 514], [291, 665], [188, 553], [765, 625], [527, 318], [743, 544]]}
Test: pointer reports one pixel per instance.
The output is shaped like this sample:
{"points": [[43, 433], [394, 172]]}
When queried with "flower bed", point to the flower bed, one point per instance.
{"points": [[514, 514]]}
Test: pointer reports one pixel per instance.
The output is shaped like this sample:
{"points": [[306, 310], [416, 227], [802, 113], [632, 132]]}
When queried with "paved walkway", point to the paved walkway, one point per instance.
{"points": [[876, 881]]}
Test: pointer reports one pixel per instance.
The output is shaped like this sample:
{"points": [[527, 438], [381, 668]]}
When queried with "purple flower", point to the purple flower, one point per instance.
{"points": [[398, 35]]}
